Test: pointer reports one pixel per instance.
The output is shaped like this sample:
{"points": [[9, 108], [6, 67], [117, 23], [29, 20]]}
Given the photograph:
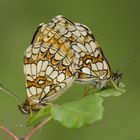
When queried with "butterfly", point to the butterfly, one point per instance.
{"points": [[62, 52], [48, 64], [93, 67]]}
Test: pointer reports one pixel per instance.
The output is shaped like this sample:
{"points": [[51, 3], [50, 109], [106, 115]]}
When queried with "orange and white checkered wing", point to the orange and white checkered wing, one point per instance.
{"points": [[48, 64], [91, 61]]}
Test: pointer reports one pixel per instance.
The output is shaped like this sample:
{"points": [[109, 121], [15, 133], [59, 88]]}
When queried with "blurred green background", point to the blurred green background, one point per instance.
{"points": [[115, 23]]}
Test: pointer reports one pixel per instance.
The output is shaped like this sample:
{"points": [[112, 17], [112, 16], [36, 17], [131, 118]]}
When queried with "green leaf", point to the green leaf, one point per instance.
{"points": [[111, 91], [44, 112], [77, 113]]}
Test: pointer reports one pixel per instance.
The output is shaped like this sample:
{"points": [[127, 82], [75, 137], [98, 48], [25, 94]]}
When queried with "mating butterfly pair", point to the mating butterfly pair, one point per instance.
{"points": [[60, 53]]}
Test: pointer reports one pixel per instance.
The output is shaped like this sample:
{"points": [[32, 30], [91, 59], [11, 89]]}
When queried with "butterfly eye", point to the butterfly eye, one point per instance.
{"points": [[25, 109]]}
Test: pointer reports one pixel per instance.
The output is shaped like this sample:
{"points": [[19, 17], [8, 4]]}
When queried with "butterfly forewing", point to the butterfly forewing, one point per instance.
{"points": [[48, 64]]}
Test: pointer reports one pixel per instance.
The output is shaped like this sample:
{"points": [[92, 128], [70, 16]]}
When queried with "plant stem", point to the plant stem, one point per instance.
{"points": [[9, 132], [30, 133]]}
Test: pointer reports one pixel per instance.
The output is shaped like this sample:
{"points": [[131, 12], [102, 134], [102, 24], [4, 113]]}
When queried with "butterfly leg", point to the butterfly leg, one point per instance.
{"points": [[30, 114], [86, 90], [116, 87]]}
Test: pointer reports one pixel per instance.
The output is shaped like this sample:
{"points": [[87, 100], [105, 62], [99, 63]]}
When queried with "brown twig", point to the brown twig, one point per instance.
{"points": [[30, 133], [9, 132]]}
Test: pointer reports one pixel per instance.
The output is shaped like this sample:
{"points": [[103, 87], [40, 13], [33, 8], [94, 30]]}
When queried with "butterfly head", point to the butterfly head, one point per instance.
{"points": [[101, 83], [32, 104], [25, 109], [116, 77]]}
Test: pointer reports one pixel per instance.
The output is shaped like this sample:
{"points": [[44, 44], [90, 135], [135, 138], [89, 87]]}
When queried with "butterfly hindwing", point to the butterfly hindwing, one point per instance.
{"points": [[92, 64]]}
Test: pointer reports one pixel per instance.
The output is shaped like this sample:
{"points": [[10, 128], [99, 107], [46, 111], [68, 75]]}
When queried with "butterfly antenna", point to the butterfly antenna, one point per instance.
{"points": [[116, 87], [2, 88]]}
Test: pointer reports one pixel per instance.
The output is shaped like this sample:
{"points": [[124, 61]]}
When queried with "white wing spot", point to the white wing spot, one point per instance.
{"points": [[28, 49], [93, 46], [68, 34], [49, 70], [84, 33], [61, 77], [47, 89], [77, 33], [96, 53], [28, 55], [35, 51], [54, 74], [79, 27], [99, 65], [88, 47], [39, 65], [33, 90], [29, 78], [58, 57], [105, 65], [94, 68], [41, 82], [86, 70], [88, 61], [76, 48], [43, 49], [44, 65], [34, 70], [52, 50], [28, 69], [82, 47]]}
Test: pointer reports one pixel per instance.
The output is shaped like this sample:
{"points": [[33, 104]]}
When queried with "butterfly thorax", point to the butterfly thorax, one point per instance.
{"points": [[32, 104]]}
